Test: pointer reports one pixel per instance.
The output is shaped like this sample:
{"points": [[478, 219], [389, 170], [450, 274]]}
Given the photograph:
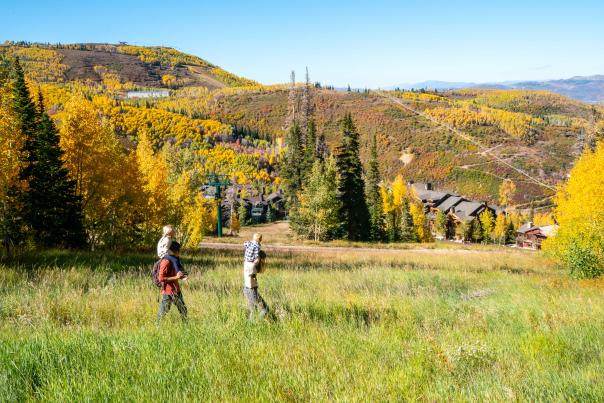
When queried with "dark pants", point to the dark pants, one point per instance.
{"points": [[255, 300], [166, 303]]}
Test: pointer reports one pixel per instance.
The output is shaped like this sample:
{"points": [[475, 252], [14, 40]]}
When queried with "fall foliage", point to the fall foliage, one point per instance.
{"points": [[579, 242]]}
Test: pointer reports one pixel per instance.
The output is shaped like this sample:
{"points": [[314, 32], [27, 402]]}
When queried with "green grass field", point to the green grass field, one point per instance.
{"points": [[454, 325]]}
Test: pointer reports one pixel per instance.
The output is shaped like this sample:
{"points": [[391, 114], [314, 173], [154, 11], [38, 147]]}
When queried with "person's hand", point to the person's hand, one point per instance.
{"points": [[180, 274]]}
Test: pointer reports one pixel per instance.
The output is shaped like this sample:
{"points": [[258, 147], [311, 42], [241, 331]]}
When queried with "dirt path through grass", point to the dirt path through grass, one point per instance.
{"points": [[340, 249]]}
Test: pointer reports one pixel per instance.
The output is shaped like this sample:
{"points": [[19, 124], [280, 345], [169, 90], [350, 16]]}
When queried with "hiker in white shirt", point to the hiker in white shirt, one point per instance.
{"points": [[252, 265]]}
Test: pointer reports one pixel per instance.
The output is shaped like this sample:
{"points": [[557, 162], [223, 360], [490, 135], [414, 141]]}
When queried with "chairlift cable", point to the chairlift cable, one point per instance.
{"points": [[467, 137]]}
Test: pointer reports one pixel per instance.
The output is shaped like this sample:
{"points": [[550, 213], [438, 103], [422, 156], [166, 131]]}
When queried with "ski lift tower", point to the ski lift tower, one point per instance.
{"points": [[218, 182]]}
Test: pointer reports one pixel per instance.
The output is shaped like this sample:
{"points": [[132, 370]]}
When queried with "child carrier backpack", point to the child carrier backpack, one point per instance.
{"points": [[155, 273]]}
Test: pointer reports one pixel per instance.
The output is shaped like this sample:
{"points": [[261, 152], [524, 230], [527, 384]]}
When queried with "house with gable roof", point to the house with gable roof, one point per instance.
{"points": [[458, 208]]}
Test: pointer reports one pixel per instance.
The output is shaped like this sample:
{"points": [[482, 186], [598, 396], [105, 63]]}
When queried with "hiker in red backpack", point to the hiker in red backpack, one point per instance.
{"points": [[168, 276]]}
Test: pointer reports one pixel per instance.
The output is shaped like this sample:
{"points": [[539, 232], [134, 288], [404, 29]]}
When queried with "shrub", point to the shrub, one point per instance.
{"points": [[582, 261]]}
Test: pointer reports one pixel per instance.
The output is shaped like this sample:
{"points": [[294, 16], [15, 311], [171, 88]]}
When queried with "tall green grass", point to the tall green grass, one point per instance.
{"points": [[365, 326]]}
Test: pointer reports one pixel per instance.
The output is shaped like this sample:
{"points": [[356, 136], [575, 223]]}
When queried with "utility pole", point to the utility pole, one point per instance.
{"points": [[218, 181]]}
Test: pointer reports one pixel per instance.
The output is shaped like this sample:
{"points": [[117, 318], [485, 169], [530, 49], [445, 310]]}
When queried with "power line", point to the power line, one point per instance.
{"points": [[467, 137]]}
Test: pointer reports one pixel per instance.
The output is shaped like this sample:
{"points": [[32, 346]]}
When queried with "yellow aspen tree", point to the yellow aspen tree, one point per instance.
{"points": [[500, 229], [11, 143], [154, 176], [507, 190], [106, 176], [420, 221], [399, 192], [168, 80], [579, 242], [199, 219]]}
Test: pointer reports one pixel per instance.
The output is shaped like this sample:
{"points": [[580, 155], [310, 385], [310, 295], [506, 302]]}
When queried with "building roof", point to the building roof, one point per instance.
{"points": [[424, 192], [545, 230], [256, 200], [549, 230], [273, 197], [449, 202], [467, 210], [526, 227]]}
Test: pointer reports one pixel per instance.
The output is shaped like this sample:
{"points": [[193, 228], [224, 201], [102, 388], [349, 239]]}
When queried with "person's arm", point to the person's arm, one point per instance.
{"points": [[257, 255]]}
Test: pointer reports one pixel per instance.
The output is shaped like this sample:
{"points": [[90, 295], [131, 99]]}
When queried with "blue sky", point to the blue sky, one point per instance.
{"points": [[365, 44]]}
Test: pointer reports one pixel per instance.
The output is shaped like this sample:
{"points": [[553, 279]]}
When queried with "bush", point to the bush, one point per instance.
{"points": [[582, 261]]}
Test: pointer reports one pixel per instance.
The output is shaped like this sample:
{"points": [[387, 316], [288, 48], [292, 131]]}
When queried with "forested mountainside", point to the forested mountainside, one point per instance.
{"points": [[538, 132]]}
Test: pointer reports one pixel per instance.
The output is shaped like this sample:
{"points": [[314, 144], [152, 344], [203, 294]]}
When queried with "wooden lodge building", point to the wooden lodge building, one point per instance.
{"points": [[456, 207], [531, 236]]}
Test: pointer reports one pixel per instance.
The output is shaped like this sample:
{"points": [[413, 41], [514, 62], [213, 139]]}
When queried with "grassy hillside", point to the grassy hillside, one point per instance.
{"points": [[539, 132], [136, 65], [536, 131], [455, 326]]}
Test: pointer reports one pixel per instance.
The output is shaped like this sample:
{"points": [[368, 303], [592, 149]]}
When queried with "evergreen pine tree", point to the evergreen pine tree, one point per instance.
{"points": [[15, 226], [291, 168], [373, 195], [54, 212], [310, 147], [354, 214], [407, 231], [23, 106], [322, 148], [242, 215]]}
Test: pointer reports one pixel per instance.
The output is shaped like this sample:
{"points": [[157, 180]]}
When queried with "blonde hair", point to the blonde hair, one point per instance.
{"points": [[257, 237], [168, 229]]}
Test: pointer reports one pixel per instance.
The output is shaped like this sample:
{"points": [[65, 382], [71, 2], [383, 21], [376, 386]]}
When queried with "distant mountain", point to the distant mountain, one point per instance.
{"points": [[434, 85], [587, 89]]}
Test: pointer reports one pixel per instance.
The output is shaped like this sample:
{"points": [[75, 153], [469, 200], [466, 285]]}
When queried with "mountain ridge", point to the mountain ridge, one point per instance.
{"points": [[581, 88]]}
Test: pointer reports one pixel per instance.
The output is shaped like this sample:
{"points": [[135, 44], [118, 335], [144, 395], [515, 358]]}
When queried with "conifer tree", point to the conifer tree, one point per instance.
{"points": [[373, 195], [291, 167], [354, 214], [16, 228], [310, 147], [23, 106], [292, 103], [322, 148], [307, 108], [407, 230], [54, 212]]}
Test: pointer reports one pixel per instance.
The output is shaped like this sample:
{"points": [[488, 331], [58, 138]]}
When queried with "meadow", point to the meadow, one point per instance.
{"points": [[365, 326]]}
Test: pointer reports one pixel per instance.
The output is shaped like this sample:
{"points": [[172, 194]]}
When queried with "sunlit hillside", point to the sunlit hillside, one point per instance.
{"points": [[538, 132]]}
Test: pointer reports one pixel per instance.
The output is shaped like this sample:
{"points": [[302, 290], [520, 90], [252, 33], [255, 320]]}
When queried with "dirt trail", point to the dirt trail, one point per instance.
{"points": [[339, 249]]}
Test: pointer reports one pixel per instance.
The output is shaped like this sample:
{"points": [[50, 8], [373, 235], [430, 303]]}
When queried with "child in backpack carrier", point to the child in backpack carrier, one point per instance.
{"points": [[163, 250]]}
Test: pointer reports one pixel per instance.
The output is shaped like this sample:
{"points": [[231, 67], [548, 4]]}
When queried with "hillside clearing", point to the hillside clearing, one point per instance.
{"points": [[352, 327]]}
